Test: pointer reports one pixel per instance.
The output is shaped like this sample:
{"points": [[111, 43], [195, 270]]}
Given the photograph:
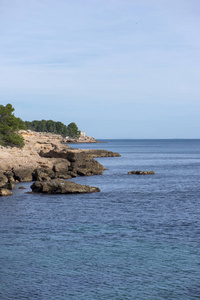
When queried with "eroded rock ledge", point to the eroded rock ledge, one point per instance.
{"points": [[45, 157]]}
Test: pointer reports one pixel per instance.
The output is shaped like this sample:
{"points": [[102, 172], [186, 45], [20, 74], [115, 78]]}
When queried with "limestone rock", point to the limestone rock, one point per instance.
{"points": [[43, 174], [61, 168], [5, 192], [79, 163], [6, 181], [10, 176], [3, 180], [84, 165], [21, 164], [23, 173], [45, 156], [60, 186]]}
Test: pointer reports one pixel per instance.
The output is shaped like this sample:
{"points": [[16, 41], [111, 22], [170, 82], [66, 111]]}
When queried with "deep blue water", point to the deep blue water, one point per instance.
{"points": [[139, 238]]}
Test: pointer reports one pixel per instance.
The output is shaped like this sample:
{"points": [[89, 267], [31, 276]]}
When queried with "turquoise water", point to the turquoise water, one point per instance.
{"points": [[139, 238]]}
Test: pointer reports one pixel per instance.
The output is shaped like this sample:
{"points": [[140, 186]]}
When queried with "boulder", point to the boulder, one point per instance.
{"points": [[10, 176], [61, 168], [3, 180], [60, 186], [5, 192], [141, 172], [22, 173], [10, 186], [84, 165], [43, 174], [6, 181]]}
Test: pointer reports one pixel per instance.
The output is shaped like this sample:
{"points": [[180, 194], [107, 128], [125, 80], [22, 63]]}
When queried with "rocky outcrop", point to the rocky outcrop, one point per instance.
{"points": [[81, 139], [22, 163], [33, 163], [6, 180], [60, 186], [78, 163], [5, 192], [61, 168], [6, 183], [42, 174], [44, 157], [142, 172], [84, 165], [23, 173], [3, 180]]}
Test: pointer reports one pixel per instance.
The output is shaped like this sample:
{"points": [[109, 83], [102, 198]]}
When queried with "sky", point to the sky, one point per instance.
{"points": [[117, 68]]}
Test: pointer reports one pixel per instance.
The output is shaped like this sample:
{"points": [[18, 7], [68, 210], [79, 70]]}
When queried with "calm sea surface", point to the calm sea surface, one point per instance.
{"points": [[139, 238]]}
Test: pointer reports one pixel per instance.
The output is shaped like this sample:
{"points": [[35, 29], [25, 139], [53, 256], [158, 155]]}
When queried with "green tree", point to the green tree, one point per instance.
{"points": [[9, 125], [61, 129], [48, 126], [42, 126], [73, 130]]}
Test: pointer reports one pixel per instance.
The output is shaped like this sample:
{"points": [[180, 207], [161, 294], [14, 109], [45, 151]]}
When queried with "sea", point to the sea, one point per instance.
{"points": [[139, 238]]}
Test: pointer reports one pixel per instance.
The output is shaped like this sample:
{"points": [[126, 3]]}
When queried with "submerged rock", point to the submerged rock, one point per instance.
{"points": [[60, 186], [141, 172]]}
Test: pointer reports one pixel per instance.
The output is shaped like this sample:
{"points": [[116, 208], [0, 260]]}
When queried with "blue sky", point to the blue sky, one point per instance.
{"points": [[117, 68]]}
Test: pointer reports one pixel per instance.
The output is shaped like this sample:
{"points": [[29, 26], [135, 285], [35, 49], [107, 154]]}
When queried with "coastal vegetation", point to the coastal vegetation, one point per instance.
{"points": [[9, 126], [54, 127]]}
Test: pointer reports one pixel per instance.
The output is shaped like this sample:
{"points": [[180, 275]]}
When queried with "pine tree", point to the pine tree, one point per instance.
{"points": [[9, 125]]}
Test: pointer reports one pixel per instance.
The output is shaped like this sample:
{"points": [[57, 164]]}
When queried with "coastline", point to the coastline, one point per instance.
{"points": [[44, 157], [81, 140]]}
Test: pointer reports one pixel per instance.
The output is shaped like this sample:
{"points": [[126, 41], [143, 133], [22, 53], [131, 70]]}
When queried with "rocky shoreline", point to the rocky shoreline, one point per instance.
{"points": [[45, 157], [81, 139]]}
